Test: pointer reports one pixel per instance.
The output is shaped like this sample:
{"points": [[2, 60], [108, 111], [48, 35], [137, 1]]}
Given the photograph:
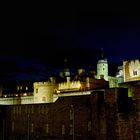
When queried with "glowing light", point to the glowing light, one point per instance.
{"points": [[25, 94], [5, 96], [58, 91], [79, 85]]}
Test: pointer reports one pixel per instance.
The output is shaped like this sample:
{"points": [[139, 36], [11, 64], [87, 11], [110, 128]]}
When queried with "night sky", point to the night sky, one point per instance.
{"points": [[77, 34]]}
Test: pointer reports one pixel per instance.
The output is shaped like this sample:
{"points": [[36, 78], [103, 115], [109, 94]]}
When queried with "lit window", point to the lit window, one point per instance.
{"points": [[26, 88]]}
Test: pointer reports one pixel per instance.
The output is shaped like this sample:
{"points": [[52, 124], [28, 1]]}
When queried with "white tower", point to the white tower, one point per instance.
{"points": [[102, 67]]}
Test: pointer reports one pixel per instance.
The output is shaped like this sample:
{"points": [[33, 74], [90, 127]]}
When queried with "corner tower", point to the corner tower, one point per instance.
{"points": [[44, 91], [102, 67]]}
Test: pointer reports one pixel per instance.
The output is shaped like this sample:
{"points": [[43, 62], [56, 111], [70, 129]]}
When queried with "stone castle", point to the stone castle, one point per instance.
{"points": [[50, 90], [80, 107]]}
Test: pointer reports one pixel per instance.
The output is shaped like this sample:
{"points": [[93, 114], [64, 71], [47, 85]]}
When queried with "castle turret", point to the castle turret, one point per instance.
{"points": [[102, 67], [44, 91]]}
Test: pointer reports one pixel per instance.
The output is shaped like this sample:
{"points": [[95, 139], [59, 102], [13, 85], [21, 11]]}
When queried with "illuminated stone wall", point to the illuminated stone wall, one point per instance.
{"points": [[16, 100], [102, 115], [112, 82], [69, 85], [43, 92], [131, 70], [102, 69]]}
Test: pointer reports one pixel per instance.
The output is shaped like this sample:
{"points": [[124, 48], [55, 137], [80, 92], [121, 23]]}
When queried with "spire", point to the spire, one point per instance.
{"points": [[102, 53], [66, 69], [65, 62]]}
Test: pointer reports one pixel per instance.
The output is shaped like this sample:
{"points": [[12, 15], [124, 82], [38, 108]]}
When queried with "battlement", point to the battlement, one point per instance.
{"points": [[47, 83], [69, 85], [134, 62]]}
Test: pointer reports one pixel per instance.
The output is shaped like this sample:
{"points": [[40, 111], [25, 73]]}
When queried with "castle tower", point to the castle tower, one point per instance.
{"points": [[44, 91], [102, 67]]}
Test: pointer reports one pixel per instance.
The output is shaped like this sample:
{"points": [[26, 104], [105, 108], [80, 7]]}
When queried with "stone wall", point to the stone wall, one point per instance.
{"points": [[103, 115]]}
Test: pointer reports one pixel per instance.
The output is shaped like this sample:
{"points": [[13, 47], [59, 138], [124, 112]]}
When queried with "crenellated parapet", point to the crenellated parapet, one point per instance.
{"points": [[69, 85], [134, 67], [37, 84]]}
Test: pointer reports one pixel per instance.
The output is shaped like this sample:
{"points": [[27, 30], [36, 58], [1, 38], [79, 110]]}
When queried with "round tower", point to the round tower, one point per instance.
{"points": [[102, 67], [44, 91]]}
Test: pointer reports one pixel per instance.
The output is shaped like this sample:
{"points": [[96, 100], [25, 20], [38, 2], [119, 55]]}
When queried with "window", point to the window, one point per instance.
{"points": [[26, 88], [134, 72], [44, 99], [103, 68], [36, 90]]}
